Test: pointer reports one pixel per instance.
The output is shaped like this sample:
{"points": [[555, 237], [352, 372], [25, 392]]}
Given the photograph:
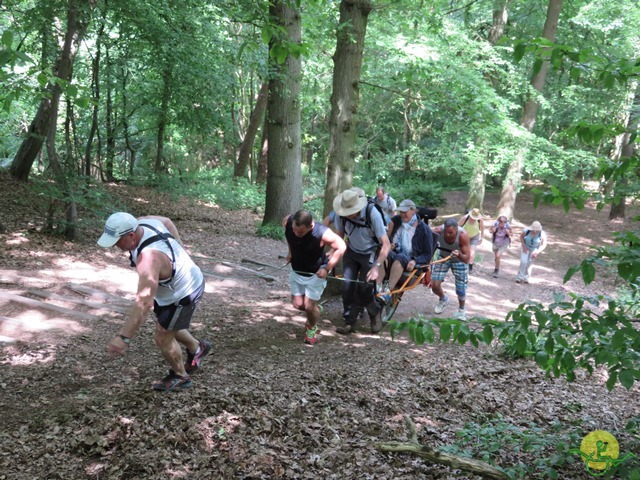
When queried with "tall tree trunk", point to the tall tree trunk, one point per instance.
{"points": [[625, 149], [39, 128], [475, 198], [345, 97], [406, 132], [284, 175], [261, 170], [500, 18], [164, 116], [507, 203], [244, 156], [109, 121], [125, 121], [95, 84]]}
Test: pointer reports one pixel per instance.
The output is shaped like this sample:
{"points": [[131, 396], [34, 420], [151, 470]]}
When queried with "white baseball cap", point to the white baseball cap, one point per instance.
{"points": [[117, 225]]}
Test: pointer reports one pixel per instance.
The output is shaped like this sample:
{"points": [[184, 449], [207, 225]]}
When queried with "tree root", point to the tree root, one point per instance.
{"points": [[433, 456]]}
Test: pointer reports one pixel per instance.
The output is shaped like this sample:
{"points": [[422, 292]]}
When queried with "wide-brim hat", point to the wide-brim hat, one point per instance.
{"points": [[535, 226], [349, 202], [117, 225], [475, 214]]}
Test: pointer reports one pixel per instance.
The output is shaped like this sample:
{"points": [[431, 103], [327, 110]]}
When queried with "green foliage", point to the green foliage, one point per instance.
{"points": [[423, 193], [566, 195], [488, 438], [271, 230], [211, 186], [423, 330], [87, 196], [568, 335], [579, 333]]}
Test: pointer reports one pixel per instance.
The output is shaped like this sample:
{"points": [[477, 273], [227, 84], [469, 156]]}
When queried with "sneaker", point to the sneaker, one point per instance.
{"points": [[461, 314], [310, 336], [441, 304], [495, 273], [470, 267], [526, 280], [346, 329], [173, 382], [376, 322], [194, 359], [385, 296], [518, 280]]}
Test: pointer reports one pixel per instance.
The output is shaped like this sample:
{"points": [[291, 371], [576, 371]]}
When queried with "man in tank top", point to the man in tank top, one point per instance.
{"points": [[453, 241], [310, 264], [169, 282]]}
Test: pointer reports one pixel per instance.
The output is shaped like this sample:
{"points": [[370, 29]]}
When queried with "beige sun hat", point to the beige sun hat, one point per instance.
{"points": [[475, 214], [349, 202]]}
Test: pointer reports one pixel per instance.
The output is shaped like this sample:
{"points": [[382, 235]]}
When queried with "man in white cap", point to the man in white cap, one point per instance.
{"points": [[367, 249], [169, 282], [533, 241]]}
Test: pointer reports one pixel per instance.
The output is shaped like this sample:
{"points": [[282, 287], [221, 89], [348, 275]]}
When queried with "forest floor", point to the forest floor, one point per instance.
{"points": [[265, 405]]}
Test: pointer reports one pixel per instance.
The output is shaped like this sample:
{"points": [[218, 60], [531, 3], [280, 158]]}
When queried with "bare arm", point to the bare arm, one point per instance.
{"points": [[464, 254], [382, 256], [149, 266], [389, 232], [543, 244], [337, 246]]}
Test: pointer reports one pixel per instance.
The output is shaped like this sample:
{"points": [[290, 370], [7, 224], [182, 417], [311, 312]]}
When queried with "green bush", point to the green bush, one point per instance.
{"points": [[271, 230], [550, 447]]}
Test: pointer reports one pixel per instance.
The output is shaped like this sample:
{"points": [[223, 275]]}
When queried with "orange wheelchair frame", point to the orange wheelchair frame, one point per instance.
{"points": [[421, 274]]}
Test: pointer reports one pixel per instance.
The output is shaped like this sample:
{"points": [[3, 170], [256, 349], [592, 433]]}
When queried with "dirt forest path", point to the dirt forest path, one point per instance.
{"points": [[265, 405], [571, 236]]}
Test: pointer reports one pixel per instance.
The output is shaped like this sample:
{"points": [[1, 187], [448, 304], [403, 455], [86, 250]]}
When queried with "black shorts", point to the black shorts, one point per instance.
{"points": [[178, 316]]}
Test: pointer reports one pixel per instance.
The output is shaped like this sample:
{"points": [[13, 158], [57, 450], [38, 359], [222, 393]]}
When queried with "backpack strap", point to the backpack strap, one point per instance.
{"points": [[156, 238], [397, 222]]}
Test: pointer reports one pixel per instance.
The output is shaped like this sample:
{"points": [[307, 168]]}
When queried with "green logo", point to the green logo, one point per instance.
{"points": [[600, 451]]}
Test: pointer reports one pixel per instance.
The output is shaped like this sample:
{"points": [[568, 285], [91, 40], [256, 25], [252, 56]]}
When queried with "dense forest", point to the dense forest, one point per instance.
{"points": [[272, 106]]}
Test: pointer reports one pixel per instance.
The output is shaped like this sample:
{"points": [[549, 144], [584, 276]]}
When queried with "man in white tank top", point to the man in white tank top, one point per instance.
{"points": [[169, 282]]}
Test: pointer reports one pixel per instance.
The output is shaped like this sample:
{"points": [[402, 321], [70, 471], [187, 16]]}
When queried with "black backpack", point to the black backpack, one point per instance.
{"points": [[367, 218], [426, 213]]}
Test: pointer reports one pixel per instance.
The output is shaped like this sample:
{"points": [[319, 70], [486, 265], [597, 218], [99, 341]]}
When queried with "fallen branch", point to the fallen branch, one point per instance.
{"points": [[12, 297], [78, 301], [433, 456], [99, 294]]}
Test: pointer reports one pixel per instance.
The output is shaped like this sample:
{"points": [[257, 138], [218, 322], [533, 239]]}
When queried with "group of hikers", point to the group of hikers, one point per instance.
{"points": [[384, 240]]}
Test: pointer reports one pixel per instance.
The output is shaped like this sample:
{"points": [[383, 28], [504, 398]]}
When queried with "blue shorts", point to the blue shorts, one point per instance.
{"points": [[399, 257], [310, 287], [460, 273]]}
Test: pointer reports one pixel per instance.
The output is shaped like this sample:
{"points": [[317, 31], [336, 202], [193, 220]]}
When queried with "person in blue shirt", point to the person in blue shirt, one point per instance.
{"points": [[533, 241], [367, 249]]}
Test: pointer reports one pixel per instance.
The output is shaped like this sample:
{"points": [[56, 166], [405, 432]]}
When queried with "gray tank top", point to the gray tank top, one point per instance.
{"points": [[447, 248]]}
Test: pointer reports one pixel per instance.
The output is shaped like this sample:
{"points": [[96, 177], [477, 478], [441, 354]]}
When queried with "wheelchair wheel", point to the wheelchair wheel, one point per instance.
{"points": [[388, 309]]}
